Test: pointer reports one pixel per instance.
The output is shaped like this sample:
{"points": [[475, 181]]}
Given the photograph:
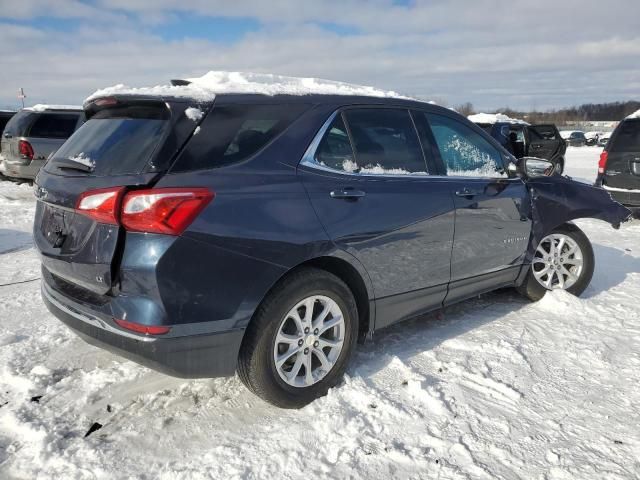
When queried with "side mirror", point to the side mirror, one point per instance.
{"points": [[532, 167]]}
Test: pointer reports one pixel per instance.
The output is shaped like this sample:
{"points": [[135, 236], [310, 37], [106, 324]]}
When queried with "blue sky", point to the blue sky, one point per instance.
{"points": [[491, 53]]}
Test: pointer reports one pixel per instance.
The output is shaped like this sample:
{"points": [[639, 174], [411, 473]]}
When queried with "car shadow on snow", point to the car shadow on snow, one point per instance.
{"points": [[14, 241], [612, 267], [416, 336]]}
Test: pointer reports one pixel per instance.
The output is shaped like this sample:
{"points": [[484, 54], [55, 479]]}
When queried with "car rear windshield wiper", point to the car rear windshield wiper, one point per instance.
{"points": [[69, 164]]}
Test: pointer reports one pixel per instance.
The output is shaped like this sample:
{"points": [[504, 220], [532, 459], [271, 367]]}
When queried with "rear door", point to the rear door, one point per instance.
{"points": [[124, 144], [492, 228], [623, 162], [544, 141], [370, 186]]}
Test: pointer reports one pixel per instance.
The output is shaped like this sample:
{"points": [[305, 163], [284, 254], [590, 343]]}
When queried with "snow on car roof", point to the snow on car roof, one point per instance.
{"points": [[41, 107], [635, 114], [492, 118], [206, 87]]}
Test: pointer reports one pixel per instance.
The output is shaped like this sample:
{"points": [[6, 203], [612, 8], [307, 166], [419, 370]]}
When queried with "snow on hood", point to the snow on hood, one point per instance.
{"points": [[206, 87], [41, 107], [635, 114], [494, 118]]}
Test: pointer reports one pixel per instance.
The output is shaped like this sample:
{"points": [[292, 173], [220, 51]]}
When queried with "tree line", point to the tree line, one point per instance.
{"points": [[583, 113]]}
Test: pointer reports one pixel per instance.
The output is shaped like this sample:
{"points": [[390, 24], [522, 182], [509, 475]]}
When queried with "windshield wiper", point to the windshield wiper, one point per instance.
{"points": [[68, 164]]}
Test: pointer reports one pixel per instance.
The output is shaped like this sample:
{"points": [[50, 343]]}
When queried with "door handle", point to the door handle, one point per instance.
{"points": [[347, 194], [466, 192]]}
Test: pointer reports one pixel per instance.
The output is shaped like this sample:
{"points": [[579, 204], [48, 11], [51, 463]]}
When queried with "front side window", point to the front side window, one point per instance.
{"points": [[464, 152], [543, 132], [53, 125], [385, 141]]}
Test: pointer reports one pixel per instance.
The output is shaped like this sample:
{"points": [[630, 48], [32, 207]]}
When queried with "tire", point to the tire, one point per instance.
{"points": [[533, 289], [559, 168], [257, 366]]}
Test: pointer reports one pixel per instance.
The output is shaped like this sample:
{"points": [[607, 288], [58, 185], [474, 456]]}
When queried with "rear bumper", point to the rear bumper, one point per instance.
{"points": [[203, 355], [630, 198], [20, 170]]}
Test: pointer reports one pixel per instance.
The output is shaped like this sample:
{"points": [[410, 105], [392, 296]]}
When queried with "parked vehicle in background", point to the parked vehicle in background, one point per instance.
{"points": [[5, 116], [604, 138], [592, 138], [522, 139], [33, 134], [574, 138], [619, 166], [264, 232]]}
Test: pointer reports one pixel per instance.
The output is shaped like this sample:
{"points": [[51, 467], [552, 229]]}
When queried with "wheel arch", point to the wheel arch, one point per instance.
{"points": [[350, 271]]}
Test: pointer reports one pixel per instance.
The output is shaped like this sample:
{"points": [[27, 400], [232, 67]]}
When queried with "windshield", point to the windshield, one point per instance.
{"points": [[111, 144]]}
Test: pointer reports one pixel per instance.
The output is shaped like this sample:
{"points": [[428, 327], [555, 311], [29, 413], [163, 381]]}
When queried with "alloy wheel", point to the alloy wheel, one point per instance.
{"points": [[309, 341], [558, 262]]}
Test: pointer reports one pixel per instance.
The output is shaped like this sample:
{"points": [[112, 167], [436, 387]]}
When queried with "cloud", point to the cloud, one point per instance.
{"points": [[537, 54]]}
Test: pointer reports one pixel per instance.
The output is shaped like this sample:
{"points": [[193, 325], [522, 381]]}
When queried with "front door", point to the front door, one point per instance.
{"points": [[492, 226], [368, 182]]}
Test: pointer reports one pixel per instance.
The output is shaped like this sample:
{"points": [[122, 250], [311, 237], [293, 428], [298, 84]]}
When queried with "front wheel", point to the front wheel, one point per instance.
{"points": [[563, 260], [300, 339]]}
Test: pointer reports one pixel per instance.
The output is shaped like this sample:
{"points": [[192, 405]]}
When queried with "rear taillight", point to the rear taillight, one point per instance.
{"points": [[602, 164], [25, 149], [160, 210], [144, 329], [163, 210], [101, 205]]}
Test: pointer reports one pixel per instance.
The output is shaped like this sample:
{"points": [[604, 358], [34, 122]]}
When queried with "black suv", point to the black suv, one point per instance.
{"points": [[619, 166], [264, 234], [523, 140]]}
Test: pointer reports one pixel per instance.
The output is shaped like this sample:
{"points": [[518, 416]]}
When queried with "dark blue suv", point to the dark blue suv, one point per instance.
{"points": [[265, 234]]}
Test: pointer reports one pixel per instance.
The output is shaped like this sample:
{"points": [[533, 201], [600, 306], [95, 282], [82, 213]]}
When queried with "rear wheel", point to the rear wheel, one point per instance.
{"points": [[559, 168], [300, 340], [563, 260]]}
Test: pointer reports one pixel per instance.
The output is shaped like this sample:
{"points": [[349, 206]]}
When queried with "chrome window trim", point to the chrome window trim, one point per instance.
{"points": [[309, 160]]}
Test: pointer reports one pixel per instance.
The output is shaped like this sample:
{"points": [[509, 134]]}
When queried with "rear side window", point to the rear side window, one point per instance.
{"points": [[53, 125], [464, 152], [335, 149], [232, 133], [114, 142], [385, 141], [628, 137]]}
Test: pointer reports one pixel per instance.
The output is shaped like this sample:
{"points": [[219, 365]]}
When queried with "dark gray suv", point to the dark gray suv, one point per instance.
{"points": [[264, 233], [619, 167], [33, 134]]}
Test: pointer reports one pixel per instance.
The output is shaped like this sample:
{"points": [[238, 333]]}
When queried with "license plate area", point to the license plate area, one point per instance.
{"points": [[54, 226]]}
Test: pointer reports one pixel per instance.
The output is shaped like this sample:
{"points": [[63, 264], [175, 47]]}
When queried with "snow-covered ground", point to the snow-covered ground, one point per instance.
{"points": [[497, 388]]}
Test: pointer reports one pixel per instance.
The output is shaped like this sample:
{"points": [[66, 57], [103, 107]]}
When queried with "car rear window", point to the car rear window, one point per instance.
{"points": [[115, 141], [232, 133], [53, 125], [627, 138]]}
